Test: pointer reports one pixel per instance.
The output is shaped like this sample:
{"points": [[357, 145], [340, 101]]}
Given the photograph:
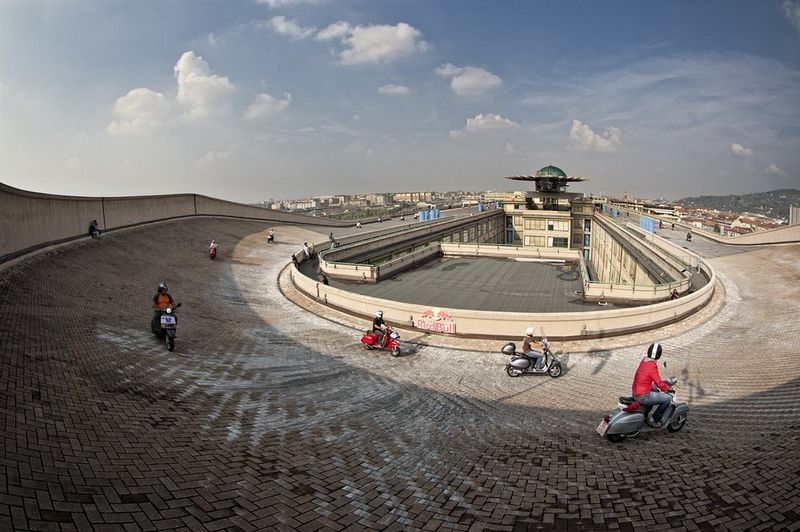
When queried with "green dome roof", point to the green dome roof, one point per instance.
{"points": [[551, 171]]}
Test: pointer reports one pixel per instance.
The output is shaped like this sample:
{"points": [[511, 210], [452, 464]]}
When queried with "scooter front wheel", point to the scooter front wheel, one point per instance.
{"points": [[513, 372], [678, 424], [395, 351], [555, 370]]}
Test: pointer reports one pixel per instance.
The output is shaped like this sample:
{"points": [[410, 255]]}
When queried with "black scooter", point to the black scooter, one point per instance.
{"points": [[164, 326]]}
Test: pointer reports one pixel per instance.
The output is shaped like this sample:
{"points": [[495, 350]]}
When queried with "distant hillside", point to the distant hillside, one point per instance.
{"points": [[774, 204]]}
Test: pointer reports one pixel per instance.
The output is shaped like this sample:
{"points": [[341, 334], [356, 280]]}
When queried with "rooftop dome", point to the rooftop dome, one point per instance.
{"points": [[551, 171]]}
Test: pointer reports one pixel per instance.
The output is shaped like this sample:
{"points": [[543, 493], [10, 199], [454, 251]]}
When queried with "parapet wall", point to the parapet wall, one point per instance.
{"points": [[31, 220]]}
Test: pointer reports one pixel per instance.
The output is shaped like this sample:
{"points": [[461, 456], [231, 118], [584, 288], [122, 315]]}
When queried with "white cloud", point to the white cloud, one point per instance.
{"points": [[774, 169], [393, 89], [469, 81], [212, 39], [791, 8], [584, 138], [484, 122], [139, 112], [337, 30], [378, 43], [741, 151], [266, 105], [212, 158], [289, 27], [200, 91]]}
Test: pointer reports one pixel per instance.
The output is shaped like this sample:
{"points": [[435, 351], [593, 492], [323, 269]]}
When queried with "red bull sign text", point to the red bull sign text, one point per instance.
{"points": [[436, 321]]}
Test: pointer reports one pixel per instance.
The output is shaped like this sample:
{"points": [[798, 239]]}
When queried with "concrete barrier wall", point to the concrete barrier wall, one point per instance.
{"points": [[510, 251], [562, 325], [31, 220], [28, 219]]}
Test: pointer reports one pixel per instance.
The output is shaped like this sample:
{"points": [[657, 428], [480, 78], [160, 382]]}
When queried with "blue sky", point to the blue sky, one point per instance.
{"points": [[250, 100]]}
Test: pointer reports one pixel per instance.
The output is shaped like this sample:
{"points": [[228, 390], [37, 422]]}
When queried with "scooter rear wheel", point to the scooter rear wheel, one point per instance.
{"points": [[513, 372], [615, 438], [368, 347], [170, 343]]}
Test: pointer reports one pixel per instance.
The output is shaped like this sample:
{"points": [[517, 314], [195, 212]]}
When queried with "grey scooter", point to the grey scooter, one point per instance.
{"points": [[631, 418], [520, 363]]}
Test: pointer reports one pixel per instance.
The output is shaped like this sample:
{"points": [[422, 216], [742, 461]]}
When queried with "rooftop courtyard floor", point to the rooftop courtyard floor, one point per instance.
{"points": [[483, 283]]}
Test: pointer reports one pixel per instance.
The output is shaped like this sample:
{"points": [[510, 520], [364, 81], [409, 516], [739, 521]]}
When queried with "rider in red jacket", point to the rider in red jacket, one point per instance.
{"points": [[646, 379]]}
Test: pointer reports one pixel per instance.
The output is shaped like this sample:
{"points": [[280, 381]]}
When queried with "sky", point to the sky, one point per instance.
{"points": [[251, 100]]}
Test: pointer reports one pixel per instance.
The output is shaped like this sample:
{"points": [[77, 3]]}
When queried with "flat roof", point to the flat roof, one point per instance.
{"points": [[483, 283]]}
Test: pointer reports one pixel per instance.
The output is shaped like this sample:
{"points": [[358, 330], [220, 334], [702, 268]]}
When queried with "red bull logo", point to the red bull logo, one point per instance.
{"points": [[434, 320]]}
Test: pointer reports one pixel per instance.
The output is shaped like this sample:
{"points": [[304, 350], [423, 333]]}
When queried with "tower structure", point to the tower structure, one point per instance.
{"points": [[548, 216]]}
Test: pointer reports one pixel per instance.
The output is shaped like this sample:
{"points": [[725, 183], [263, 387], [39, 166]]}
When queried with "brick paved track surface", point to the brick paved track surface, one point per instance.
{"points": [[269, 417]]}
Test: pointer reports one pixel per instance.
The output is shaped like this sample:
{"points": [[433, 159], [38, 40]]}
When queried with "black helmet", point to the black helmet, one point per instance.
{"points": [[162, 287], [654, 351]]}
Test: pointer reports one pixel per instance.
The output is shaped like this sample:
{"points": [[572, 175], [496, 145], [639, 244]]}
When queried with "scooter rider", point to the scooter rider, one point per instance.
{"points": [[161, 302], [379, 326], [647, 379], [212, 246], [527, 348]]}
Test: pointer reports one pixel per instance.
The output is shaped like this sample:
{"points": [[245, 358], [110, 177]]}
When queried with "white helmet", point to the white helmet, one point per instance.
{"points": [[530, 331], [379, 314]]}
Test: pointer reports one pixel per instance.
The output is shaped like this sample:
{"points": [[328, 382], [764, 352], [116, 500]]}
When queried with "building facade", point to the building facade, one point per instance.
{"points": [[549, 216]]}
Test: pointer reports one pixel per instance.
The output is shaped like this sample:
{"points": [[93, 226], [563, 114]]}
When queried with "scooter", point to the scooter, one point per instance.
{"points": [[631, 418], [167, 323], [212, 253], [523, 364], [688, 237], [390, 341]]}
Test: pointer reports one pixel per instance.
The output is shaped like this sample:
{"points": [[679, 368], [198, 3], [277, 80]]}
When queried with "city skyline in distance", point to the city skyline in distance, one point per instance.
{"points": [[293, 98]]}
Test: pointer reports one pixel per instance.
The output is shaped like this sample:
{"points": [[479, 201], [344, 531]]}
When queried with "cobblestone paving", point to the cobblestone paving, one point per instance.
{"points": [[268, 417]]}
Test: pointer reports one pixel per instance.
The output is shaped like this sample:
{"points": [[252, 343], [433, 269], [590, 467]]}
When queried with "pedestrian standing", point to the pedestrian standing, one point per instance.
{"points": [[295, 262], [306, 251], [332, 239]]}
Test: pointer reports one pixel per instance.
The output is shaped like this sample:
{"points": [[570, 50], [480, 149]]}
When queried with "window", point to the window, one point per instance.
{"points": [[537, 241], [534, 223], [557, 242], [587, 225], [558, 225]]}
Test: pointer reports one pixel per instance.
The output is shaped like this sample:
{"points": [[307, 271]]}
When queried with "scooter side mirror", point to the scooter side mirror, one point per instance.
{"points": [[665, 363], [178, 305]]}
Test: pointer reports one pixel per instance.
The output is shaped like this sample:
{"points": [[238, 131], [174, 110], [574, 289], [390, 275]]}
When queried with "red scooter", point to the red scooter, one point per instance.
{"points": [[212, 252], [390, 341]]}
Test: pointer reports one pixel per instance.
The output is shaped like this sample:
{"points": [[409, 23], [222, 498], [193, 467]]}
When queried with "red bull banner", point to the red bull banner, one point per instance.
{"points": [[436, 321]]}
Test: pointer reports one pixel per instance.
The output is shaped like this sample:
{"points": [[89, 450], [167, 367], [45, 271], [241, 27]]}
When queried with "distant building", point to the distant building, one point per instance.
{"points": [[412, 197], [794, 214], [378, 199]]}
